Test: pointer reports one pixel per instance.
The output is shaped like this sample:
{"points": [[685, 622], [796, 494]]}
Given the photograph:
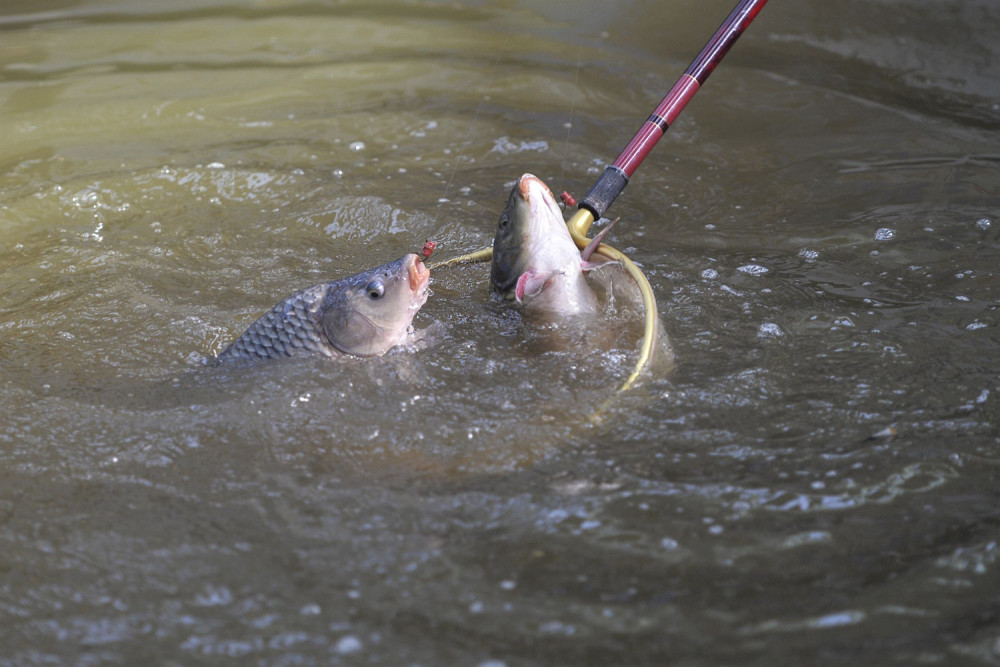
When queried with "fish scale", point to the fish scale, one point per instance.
{"points": [[291, 328]]}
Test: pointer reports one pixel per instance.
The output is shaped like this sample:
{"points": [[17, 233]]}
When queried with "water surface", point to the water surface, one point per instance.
{"points": [[815, 481]]}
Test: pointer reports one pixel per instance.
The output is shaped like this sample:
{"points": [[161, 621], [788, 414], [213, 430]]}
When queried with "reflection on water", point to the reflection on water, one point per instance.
{"points": [[813, 482]]}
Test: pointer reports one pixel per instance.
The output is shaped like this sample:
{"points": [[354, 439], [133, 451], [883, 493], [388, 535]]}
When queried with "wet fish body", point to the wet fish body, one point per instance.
{"points": [[535, 261], [363, 315]]}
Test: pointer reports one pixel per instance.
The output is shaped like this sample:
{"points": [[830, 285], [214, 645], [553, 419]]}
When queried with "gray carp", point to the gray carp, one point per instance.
{"points": [[535, 261], [363, 315]]}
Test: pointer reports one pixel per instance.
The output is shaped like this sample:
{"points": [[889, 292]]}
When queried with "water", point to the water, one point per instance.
{"points": [[815, 482]]}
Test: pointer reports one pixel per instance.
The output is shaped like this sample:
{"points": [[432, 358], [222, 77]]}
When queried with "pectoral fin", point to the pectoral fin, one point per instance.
{"points": [[595, 266], [596, 241], [531, 283]]}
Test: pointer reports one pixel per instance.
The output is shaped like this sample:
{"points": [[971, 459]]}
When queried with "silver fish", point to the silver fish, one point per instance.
{"points": [[535, 261], [363, 315]]}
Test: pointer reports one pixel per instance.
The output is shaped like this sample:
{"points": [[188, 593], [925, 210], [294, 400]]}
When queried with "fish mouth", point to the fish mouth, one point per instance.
{"points": [[418, 274], [524, 186]]}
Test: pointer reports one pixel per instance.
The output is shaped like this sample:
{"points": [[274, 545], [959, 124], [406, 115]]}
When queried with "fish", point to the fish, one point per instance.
{"points": [[364, 315], [535, 261]]}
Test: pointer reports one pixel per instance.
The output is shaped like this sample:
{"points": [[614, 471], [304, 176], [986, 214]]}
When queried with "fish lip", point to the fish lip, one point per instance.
{"points": [[524, 186], [418, 274]]}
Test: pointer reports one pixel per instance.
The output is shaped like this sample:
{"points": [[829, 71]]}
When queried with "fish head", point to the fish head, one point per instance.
{"points": [[371, 312], [530, 227]]}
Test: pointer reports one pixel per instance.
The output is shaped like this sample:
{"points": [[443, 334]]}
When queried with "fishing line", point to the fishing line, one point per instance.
{"points": [[572, 110], [475, 122], [616, 176]]}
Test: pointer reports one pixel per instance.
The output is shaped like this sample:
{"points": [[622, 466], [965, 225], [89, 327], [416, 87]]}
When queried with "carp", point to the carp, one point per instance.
{"points": [[535, 261], [363, 315]]}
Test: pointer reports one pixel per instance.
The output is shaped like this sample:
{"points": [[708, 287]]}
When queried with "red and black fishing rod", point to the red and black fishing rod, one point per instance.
{"points": [[616, 176]]}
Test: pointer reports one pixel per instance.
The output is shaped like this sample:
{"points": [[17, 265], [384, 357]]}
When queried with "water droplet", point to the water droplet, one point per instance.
{"points": [[85, 198], [984, 223], [214, 596], [348, 644], [885, 234], [770, 330], [753, 269], [357, 146]]}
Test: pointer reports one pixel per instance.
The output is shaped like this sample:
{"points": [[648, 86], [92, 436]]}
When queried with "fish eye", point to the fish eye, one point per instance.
{"points": [[503, 220], [375, 289]]}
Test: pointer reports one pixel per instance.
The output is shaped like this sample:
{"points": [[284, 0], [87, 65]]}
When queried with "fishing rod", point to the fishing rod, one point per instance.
{"points": [[616, 176]]}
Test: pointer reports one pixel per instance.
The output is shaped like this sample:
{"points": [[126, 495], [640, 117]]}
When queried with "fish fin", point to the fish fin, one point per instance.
{"points": [[595, 266], [531, 283], [596, 241]]}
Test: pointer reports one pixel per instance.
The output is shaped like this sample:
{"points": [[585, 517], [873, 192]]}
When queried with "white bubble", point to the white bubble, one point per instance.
{"points": [[753, 269], [357, 146], [885, 234], [984, 223], [348, 644], [770, 330]]}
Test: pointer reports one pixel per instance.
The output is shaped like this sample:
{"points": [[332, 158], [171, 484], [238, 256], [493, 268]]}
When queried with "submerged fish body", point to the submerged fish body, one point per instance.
{"points": [[363, 315], [535, 261]]}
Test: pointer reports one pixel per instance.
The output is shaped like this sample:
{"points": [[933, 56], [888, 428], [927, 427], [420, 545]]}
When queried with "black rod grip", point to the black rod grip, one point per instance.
{"points": [[605, 190]]}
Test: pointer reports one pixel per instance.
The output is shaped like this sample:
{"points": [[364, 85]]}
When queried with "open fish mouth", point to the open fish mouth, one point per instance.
{"points": [[419, 275], [524, 186]]}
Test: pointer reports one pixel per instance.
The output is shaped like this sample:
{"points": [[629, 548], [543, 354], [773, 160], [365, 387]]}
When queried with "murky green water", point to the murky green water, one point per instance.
{"points": [[821, 228]]}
